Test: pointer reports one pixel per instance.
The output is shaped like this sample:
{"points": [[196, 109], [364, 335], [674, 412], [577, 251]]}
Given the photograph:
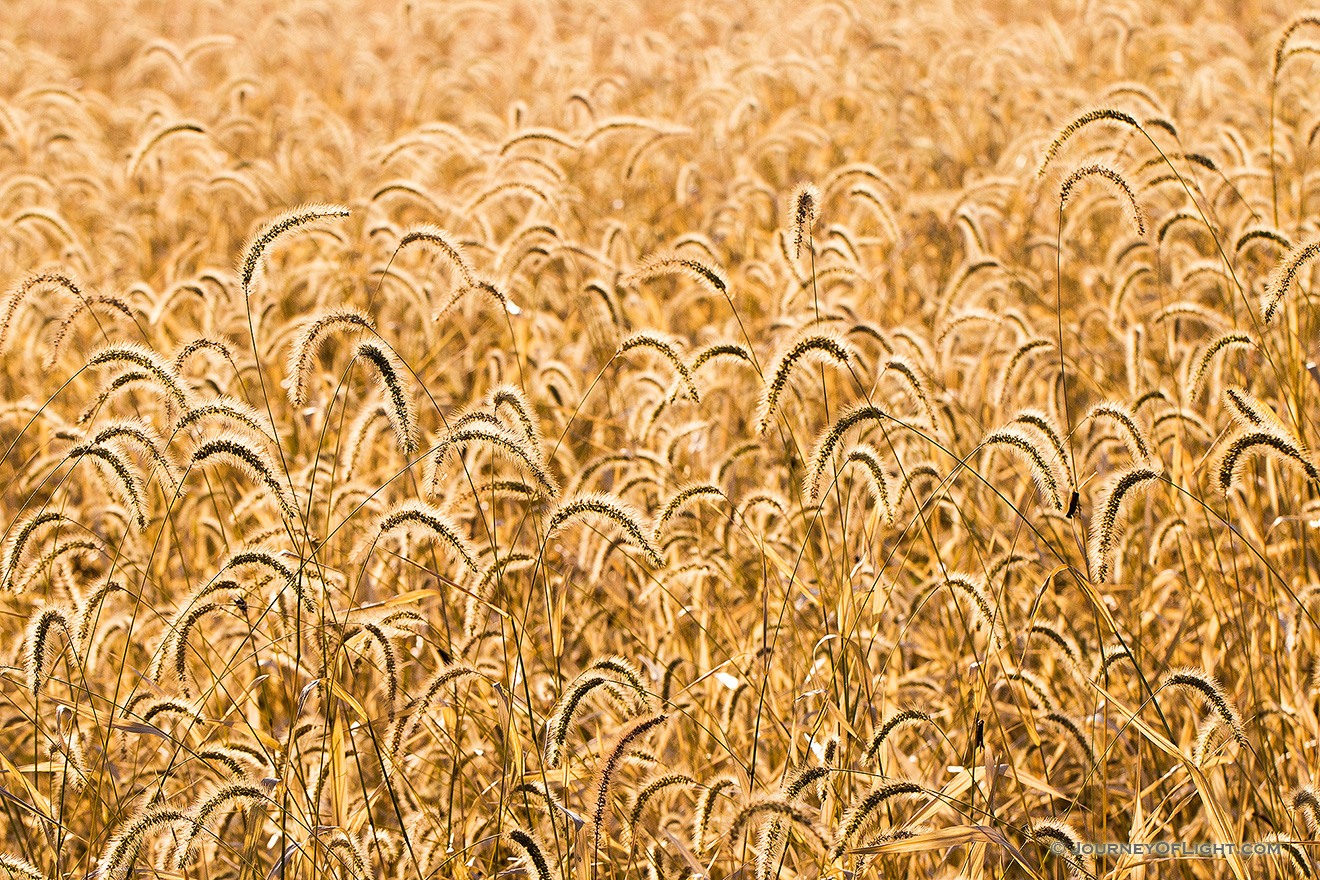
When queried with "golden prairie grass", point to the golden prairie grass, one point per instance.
{"points": [[451, 439]]}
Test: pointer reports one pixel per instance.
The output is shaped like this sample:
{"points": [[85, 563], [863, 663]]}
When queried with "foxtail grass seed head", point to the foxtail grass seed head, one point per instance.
{"points": [[26, 287], [865, 811], [903, 718], [877, 479], [565, 712], [609, 766], [532, 853], [484, 286], [240, 451], [1196, 681], [1102, 114], [146, 361], [1046, 469], [611, 508], [1200, 367], [649, 792], [312, 332], [914, 382], [832, 437], [17, 540], [1305, 802], [658, 265], [47, 627], [1285, 275], [706, 802], [124, 847], [805, 208], [682, 499], [718, 350], [1133, 434], [810, 347], [1064, 842], [1271, 440], [443, 241], [1076, 735], [126, 478], [427, 519], [392, 377], [626, 671], [804, 779], [1035, 688], [1248, 409], [1295, 852], [254, 253], [774, 806], [484, 428], [668, 348], [1109, 517], [20, 869], [511, 397], [1023, 351], [1127, 198]]}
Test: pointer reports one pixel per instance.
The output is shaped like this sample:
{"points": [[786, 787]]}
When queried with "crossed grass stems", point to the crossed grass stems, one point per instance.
{"points": [[831, 351]]}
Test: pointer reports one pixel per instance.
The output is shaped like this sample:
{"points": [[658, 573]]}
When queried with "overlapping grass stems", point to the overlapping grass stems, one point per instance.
{"points": [[831, 474]]}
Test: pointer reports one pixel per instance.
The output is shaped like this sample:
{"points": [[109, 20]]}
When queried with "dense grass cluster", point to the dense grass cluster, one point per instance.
{"points": [[686, 440]]}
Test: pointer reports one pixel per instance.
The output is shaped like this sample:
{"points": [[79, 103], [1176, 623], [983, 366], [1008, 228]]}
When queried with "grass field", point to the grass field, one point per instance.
{"points": [[691, 439]]}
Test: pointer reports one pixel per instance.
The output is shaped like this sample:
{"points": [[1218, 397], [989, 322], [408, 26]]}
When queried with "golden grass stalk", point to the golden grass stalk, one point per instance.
{"points": [[705, 807], [865, 811], [312, 332], [609, 768], [1045, 467], [1270, 439], [603, 505], [391, 375], [808, 347], [1211, 691], [1064, 841], [419, 514], [239, 450], [668, 348], [253, 261], [1107, 522]]}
